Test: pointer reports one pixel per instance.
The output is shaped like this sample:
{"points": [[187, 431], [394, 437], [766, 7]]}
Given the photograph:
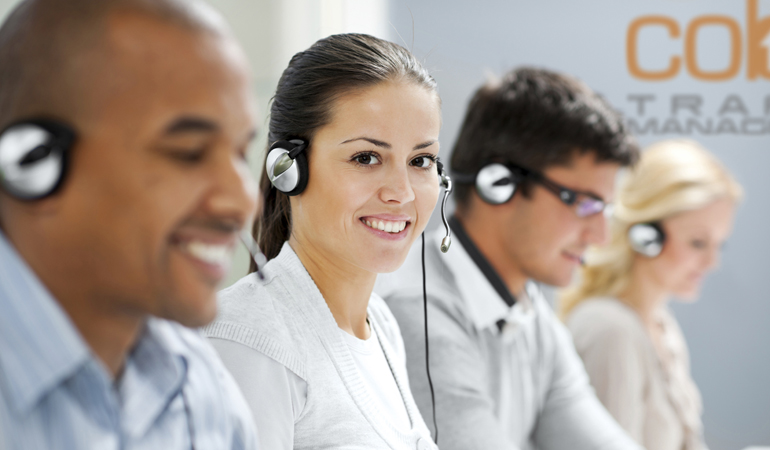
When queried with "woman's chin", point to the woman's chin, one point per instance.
{"points": [[388, 268], [386, 263]]}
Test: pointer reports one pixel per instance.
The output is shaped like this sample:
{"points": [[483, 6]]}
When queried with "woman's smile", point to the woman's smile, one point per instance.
{"points": [[387, 226]]}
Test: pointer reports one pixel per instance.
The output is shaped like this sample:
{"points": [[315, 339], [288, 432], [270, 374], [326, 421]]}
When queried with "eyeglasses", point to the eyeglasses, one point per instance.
{"points": [[585, 204]]}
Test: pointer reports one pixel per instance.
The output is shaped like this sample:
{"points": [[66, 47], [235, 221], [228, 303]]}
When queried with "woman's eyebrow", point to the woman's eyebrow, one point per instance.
{"points": [[370, 140], [383, 144], [425, 144]]}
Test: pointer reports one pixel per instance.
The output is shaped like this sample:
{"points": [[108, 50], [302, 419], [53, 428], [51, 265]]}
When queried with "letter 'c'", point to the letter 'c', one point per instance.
{"points": [[632, 56]]}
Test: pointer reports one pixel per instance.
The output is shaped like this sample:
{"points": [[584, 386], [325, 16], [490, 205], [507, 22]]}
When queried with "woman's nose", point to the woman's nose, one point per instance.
{"points": [[397, 188]]}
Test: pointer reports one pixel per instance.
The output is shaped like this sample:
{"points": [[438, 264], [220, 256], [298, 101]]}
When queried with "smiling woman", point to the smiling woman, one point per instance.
{"points": [[350, 182]]}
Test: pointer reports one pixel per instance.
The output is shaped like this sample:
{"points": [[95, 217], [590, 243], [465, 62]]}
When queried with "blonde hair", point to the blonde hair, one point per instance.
{"points": [[671, 177]]}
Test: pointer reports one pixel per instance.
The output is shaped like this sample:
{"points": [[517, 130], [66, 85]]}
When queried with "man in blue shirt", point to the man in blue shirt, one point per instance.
{"points": [[123, 186]]}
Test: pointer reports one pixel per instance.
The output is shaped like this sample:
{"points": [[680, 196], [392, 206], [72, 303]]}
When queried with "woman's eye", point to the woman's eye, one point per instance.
{"points": [[366, 159], [422, 162]]}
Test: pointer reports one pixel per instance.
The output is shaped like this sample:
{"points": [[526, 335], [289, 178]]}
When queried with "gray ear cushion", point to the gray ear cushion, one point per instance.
{"points": [[34, 156], [647, 239], [294, 180], [496, 184], [300, 162]]}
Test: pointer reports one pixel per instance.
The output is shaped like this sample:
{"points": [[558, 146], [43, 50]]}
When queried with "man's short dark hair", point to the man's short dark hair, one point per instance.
{"points": [[536, 119], [44, 43]]}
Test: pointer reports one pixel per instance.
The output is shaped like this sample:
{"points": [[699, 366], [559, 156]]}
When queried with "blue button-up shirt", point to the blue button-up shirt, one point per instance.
{"points": [[174, 393]]}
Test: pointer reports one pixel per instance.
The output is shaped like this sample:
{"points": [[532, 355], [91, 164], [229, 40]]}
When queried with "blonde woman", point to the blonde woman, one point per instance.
{"points": [[674, 211]]}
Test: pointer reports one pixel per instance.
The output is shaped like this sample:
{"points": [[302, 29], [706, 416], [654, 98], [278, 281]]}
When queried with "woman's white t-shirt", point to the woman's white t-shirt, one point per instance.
{"points": [[376, 373]]}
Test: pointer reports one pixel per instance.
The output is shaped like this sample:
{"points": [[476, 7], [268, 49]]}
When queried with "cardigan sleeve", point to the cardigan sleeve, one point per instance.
{"points": [[275, 394]]}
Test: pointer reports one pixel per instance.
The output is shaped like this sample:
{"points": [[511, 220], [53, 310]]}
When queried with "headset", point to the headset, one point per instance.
{"points": [[495, 183], [34, 155], [647, 238], [287, 168]]}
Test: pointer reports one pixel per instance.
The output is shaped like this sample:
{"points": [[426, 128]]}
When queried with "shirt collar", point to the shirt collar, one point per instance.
{"points": [[39, 345], [488, 299], [155, 373], [485, 305]]}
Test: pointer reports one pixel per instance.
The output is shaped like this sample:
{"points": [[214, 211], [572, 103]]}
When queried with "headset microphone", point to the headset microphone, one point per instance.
{"points": [[446, 182], [256, 254]]}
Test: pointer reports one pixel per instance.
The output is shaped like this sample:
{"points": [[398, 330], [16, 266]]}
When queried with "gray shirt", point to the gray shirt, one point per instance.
{"points": [[517, 385]]}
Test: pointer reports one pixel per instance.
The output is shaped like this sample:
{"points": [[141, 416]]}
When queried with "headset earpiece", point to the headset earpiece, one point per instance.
{"points": [[33, 157], [647, 238], [286, 166], [496, 183]]}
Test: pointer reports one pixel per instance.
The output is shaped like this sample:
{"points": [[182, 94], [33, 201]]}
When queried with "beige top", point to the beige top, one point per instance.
{"points": [[649, 391]]}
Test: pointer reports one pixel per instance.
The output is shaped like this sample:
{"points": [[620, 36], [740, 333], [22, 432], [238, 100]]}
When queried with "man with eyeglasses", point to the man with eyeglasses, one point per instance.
{"points": [[534, 170]]}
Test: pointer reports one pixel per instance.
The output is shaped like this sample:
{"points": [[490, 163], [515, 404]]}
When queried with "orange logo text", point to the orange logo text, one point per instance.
{"points": [[757, 44]]}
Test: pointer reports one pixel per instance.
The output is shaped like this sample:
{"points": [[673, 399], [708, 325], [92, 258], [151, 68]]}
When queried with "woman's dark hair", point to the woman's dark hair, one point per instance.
{"points": [[315, 79], [537, 118]]}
